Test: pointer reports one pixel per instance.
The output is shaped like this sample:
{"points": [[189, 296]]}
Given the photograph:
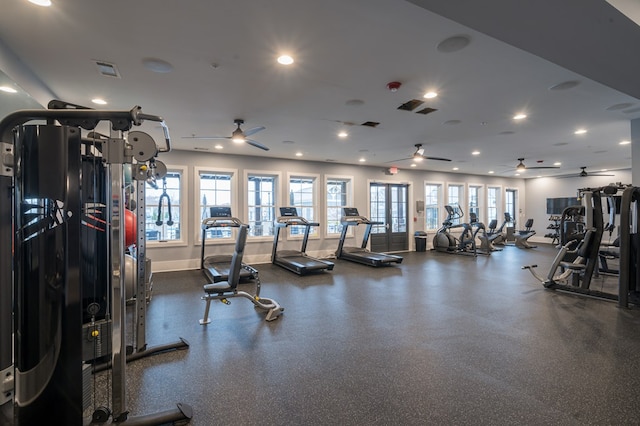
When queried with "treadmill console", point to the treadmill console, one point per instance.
{"points": [[288, 211], [350, 211], [220, 211]]}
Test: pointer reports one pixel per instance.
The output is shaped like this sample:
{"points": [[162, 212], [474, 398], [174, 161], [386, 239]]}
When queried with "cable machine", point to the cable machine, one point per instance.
{"points": [[42, 260]]}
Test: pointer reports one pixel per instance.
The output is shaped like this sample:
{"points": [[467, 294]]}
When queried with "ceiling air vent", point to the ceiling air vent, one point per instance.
{"points": [[107, 69], [370, 124], [426, 111], [411, 105]]}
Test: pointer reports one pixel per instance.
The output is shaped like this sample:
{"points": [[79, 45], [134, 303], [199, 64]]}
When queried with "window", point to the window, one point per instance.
{"points": [[432, 197], [475, 196], [215, 190], [493, 199], [455, 198], [261, 202], [510, 201], [161, 222], [302, 196], [338, 197]]}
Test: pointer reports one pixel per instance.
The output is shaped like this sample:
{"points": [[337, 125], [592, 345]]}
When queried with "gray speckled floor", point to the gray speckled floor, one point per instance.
{"points": [[439, 339]]}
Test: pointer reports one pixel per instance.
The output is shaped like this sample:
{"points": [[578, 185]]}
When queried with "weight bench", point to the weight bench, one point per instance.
{"points": [[224, 290]]}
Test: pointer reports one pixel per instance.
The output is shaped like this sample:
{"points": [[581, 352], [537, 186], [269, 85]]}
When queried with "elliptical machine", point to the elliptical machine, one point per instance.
{"points": [[445, 242]]}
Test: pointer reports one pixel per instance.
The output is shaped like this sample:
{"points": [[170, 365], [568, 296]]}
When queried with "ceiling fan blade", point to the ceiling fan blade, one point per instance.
{"points": [[257, 144], [541, 167], [401, 159], [207, 137], [253, 131], [435, 158]]}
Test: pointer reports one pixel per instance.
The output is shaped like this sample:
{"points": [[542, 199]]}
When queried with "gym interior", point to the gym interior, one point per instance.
{"points": [[145, 279]]}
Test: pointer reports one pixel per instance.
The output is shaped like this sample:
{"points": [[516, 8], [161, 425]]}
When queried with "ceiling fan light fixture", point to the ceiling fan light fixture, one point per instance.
{"points": [[237, 136]]}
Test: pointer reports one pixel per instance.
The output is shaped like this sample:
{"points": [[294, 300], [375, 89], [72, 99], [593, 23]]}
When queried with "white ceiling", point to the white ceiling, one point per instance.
{"points": [[223, 55]]}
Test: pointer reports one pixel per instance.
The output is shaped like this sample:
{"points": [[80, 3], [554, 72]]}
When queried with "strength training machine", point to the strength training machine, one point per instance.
{"points": [[293, 260], [351, 217], [45, 248], [224, 290], [575, 263]]}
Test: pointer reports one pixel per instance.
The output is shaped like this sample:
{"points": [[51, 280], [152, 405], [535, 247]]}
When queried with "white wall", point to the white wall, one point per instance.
{"points": [[538, 190], [171, 256]]}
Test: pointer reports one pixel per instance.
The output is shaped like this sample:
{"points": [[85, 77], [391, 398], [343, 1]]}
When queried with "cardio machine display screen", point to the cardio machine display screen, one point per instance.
{"points": [[220, 211], [350, 211]]}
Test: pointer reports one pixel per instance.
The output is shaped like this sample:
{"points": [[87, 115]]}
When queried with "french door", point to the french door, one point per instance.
{"points": [[389, 207]]}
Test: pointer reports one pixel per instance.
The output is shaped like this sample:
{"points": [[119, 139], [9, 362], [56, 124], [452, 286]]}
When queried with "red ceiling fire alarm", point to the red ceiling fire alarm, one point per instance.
{"points": [[394, 86]]}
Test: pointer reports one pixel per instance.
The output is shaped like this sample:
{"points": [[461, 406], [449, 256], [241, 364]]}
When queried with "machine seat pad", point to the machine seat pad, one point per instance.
{"points": [[574, 266], [219, 287]]}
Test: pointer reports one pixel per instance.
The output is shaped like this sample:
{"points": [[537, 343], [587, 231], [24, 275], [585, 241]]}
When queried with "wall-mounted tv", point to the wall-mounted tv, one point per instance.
{"points": [[557, 205]]}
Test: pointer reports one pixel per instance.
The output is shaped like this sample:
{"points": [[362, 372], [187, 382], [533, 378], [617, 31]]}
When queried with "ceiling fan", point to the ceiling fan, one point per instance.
{"points": [[521, 167], [583, 173], [419, 155], [238, 135]]}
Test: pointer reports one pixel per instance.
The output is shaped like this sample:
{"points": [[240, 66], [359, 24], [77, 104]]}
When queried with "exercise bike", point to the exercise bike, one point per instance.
{"points": [[446, 242]]}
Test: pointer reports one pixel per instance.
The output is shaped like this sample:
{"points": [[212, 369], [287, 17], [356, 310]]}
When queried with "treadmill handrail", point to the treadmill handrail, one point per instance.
{"points": [[220, 222]]}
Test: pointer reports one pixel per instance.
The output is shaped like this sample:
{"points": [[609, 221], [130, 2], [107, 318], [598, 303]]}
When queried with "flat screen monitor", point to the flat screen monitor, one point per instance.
{"points": [[557, 205], [350, 211], [288, 211], [218, 211]]}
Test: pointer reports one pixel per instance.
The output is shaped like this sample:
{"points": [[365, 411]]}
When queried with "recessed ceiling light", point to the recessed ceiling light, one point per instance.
{"points": [[418, 159], [285, 60], [430, 95], [8, 89], [456, 168], [298, 154], [580, 131], [557, 163], [413, 165], [99, 101], [343, 135], [362, 160], [491, 172], [218, 146], [517, 174], [45, 3], [625, 142], [475, 153], [520, 116]]}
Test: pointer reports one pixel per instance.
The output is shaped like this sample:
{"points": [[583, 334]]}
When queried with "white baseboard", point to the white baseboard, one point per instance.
{"points": [[255, 259]]}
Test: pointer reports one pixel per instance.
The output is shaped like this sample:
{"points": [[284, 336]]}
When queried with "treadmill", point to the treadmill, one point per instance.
{"points": [[361, 254], [216, 267], [293, 260]]}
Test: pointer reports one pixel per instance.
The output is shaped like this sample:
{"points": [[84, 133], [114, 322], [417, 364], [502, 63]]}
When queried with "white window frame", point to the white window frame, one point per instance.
{"points": [[482, 214], [350, 185], [439, 205], [515, 216], [462, 200], [314, 232], [183, 206], [277, 199], [198, 213], [499, 215]]}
